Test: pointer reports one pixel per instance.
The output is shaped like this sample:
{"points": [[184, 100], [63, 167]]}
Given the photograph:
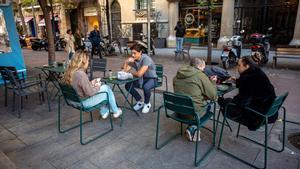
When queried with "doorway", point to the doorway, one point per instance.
{"points": [[116, 20]]}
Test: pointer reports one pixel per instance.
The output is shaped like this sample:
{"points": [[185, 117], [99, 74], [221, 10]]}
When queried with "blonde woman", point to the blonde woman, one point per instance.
{"points": [[75, 76]]}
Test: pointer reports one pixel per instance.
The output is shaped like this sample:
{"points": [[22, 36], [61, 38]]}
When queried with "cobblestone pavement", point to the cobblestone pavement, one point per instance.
{"points": [[34, 141]]}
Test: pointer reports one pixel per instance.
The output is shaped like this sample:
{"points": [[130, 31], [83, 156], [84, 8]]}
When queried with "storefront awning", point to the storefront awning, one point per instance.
{"points": [[26, 19], [42, 22]]}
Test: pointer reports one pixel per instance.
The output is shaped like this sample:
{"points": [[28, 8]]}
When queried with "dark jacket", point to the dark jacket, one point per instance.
{"points": [[180, 30], [256, 92], [221, 73], [193, 82], [95, 37]]}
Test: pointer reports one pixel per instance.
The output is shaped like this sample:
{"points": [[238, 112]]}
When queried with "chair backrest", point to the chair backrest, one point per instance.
{"points": [[98, 64], [277, 103], [160, 73], [70, 95], [181, 104], [11, 76], [5, 75]]}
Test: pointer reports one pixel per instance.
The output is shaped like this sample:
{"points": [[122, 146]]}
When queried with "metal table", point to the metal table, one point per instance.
{"points": [[53, 75], [117, 82]]}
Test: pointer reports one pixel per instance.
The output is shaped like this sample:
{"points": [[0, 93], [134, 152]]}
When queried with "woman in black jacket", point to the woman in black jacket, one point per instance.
{"points": [[255, 92]]}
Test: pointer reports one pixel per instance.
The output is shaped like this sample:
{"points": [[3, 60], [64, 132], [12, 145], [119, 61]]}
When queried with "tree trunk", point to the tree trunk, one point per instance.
{"points": [[50, 36], [19, 6], [108, 20]]}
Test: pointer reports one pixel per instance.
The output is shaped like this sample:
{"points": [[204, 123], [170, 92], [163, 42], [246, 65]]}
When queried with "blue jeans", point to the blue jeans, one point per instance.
{"points": [[179, 44], [148, 84], [100, 97]]}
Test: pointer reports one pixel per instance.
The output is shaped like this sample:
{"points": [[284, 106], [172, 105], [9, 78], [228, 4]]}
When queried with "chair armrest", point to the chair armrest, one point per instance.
{"points": [[246, 108], [256, 112], [32, 83]]}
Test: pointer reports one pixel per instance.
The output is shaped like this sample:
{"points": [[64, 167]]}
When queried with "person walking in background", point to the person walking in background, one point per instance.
{"points": [[79, 45], [95, 39], [70, 44], [180, 32]]}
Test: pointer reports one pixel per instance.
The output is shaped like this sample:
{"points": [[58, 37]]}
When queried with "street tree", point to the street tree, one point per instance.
{"points": [[19, 8], [210, 6], [50, 36]]}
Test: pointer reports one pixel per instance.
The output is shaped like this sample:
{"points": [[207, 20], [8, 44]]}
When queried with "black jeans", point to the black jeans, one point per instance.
{"points": [[240, 115], [148, 84], [97, 49]]}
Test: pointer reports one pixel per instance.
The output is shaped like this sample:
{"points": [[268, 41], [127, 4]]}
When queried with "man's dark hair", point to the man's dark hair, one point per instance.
{"points": [[246, 60], [68, 31], [137, 47]]}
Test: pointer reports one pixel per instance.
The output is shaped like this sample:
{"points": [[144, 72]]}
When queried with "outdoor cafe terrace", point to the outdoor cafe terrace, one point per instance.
{"points": [[33, 141]]}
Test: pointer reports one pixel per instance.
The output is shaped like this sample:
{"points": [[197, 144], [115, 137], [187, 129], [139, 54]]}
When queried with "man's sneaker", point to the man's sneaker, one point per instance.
{"points": [[139, 105], [118, 113], [105, 115], [146, 108], [191, 133]]}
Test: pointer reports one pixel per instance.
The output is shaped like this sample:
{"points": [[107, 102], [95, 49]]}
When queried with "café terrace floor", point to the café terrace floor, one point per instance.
{"points": [[33, 141]]}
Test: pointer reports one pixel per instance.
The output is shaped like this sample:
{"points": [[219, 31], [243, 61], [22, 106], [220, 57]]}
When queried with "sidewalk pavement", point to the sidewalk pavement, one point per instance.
{"points": [[34, 142]]}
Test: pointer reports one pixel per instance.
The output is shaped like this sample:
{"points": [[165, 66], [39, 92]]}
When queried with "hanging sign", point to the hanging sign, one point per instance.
{"points": [[189, 19]]}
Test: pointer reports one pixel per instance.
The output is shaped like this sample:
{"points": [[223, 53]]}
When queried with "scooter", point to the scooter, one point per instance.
{"points": [[39, 44], [144, 43], [260, 47], [22, 41], [232, 51]]}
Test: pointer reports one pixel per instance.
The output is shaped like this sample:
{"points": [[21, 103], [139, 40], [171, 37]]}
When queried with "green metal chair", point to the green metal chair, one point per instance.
{"points": [[275, 107], [73, 100], [160, 79], [183, 105]]}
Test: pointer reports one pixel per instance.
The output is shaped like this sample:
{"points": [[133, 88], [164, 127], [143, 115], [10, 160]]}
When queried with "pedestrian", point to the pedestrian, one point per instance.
{"points": [[255, 92], [180, 32], [70, 44], [89, 91], [95, 39], [79, 45], [191, 80], [146, 71]]}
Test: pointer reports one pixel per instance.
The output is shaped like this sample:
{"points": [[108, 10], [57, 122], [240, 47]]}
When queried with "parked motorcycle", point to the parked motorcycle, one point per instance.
{"points": [[144, 43], [232, 51], [22, 41], [260, 47], [39, 44], [60, 44]]}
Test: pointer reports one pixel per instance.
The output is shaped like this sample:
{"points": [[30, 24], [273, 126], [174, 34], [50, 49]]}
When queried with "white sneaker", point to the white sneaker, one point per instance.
{"points": [[138, 106], [105, 115], [146, 108], [118, 113]]}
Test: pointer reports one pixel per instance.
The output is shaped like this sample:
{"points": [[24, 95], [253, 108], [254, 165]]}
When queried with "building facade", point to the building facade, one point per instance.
{"points": [[128, 19], [229, 17]]}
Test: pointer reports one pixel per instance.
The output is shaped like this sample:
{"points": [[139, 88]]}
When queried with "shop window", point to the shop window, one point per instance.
{"points": [[4, 39], [142, 4]]}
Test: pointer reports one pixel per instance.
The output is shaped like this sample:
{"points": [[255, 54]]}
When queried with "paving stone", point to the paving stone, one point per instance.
{"points": [[110, 155], [83, 164], [278, 160], [127, 165], [5, 162]]}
